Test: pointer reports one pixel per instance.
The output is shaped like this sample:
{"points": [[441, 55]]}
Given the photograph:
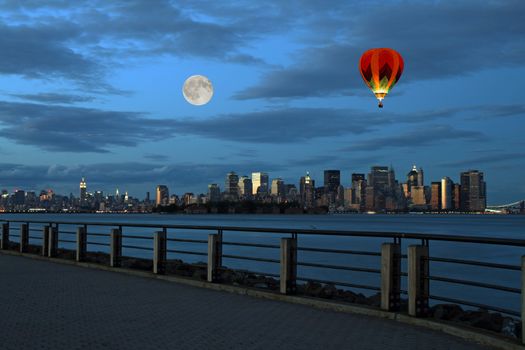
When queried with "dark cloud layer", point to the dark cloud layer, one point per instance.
{"points": [[54, 98], [76, 129], [418, 137], [73, 129], [436, 39]]}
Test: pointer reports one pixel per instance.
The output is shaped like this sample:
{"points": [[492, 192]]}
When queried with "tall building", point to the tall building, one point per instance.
{"points": [[358, 192], [307, 191], [278, 188], [473, 191], [435, 196], [162, 195], [260, 183], [245, 187], [332, 180], [231, 186], [379, 177], [414, 178], [214, 193], [19, 198], [446, 193], [456, 203], [418, 196], [83, 192]]}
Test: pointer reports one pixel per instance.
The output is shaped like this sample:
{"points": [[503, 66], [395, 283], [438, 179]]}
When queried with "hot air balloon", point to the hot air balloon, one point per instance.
{"points": [[381, 69]]}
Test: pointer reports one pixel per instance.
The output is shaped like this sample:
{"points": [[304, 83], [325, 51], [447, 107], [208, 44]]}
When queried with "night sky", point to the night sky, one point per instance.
{"points": [[93, 88]]}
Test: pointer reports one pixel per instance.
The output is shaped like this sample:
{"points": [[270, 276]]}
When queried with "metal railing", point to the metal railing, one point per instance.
{"points": [[165, 239]]}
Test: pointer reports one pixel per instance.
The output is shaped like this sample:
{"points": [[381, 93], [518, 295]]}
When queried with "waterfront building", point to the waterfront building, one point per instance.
{"points": [[245, 187], [456, 204], [418, 197], [278, 189], [83, 192], [162, 195], [307, 191], [231, 186], [214, 193], [414, 178], [332, 181], [260, 183], [473, 191], [379, 177], [435, 196], [358, 192], [446, 193]]}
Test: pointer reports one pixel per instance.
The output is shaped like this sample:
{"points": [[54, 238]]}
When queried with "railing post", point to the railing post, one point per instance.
{"points": [[24, 237], [81, 243], [390, 276], [523, 299], [214, 257], [45, 240], [418, 290], [53, 241], [159, 252], [5, 236], [116, 248], [288, 265]]}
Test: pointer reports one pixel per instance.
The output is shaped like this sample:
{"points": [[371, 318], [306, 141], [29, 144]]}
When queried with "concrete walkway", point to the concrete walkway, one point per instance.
{"points": [[44, 305]]}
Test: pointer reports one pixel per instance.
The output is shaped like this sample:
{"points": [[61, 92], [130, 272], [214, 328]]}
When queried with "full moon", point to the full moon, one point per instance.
{"points": [[197, 90]]}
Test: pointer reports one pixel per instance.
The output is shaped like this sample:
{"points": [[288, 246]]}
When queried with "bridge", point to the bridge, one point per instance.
{"points": [[515, 207]]}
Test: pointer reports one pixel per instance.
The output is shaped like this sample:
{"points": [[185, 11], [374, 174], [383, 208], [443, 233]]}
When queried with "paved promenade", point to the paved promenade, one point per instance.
{"points": [[44, 305]]}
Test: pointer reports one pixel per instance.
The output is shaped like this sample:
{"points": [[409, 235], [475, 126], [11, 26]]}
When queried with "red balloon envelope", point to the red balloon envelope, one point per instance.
{"points": [[381, 69]]}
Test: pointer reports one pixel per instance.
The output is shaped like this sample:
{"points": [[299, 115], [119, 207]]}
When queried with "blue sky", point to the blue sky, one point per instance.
{"points": [[93, 88]]}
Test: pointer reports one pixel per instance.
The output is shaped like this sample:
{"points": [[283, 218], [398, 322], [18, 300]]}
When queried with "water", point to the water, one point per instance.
{"points": [[468, 225]]}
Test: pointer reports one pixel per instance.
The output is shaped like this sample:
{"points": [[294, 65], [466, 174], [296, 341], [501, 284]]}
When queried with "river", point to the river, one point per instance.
{"points": [[502, 226]]}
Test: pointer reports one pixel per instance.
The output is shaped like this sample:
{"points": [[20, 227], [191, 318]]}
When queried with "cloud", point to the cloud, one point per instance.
{"points": [[437, 40], [42, 52], [488, 159], [74, 129], [156, 157], [417, 138], [277, 126], [54, 98]]}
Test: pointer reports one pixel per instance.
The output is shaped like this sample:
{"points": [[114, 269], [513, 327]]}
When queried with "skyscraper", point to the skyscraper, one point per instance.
{"points": [[435, 196], [278, 187], [245, 187], [260, 183], [214, 193], [83, 192], [446, 193], [378, 177], [231, 186], [358, 192], [162, 195], [307, 191], [473, 191]]}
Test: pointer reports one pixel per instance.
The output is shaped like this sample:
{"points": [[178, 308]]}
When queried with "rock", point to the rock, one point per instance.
{"points": [[199, 274], [361, 299], [328, 291], [446, 311], [375, 300], [261, 285], [313, 289], [509, 327]]}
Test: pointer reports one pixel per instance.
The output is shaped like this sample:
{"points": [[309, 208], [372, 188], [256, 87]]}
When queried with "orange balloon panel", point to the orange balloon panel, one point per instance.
{"points": [[381, 69]]}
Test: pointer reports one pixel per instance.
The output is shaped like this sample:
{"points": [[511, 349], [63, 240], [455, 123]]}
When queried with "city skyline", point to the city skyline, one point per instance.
{"points": [[94, 89], [252, 177]]}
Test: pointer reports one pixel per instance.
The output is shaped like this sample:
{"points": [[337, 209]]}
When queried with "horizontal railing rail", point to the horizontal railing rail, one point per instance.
{"points": [[168, 239]]}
